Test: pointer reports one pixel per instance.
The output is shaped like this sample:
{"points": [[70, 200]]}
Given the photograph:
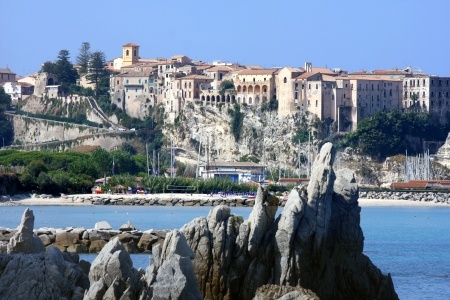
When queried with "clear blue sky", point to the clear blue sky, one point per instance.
{"points": [[352, 35]]}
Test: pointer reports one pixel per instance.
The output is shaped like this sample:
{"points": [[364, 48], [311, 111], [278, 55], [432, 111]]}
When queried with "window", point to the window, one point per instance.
{"points": [[285, 80], [139, 81], [254, 79], [309, 104], [317, 86], [127, 53], [117, 81], [317, 103], [432, 94], [190, 85], [332, 96], [127, 81]]}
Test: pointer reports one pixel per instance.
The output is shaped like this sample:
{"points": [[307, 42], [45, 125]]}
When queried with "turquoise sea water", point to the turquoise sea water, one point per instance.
{"points": [[411, 243]]}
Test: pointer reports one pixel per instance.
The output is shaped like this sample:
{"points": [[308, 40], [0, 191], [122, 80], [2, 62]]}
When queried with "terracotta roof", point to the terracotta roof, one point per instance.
{"points": [[294, 179], [195, 76], [421, 184], [258, 72], [130, 45], [6, 71], [219, 68], [134, 74]]}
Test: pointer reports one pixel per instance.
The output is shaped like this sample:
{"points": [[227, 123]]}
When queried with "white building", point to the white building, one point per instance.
{"points": [[241, 172]]}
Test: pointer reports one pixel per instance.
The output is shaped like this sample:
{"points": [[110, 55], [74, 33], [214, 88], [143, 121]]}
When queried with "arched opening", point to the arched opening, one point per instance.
{"points": [[239, 89], [243, 100], [433, 148], [50, 81], [213, 98], [228, 98], [257, 89], [233, 99], [127, 53], [207, 98], [285, 80], [257, 100], [239, 100], [250, 101], [250, 89], [203, 97], [264, 88], [223, 98], [244, 89]]}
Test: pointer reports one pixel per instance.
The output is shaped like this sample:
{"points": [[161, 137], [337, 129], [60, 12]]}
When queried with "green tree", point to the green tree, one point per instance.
{"points": [[97, 70], [49, 67], [236, 122], [64, 69], [225, 85], [6, 128], [102, 160], [83, 57]]}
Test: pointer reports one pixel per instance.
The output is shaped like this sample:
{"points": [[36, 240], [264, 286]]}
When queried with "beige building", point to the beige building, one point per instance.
{"points": [[6, 75], [130, 54], [255, 87], [427, 93]]}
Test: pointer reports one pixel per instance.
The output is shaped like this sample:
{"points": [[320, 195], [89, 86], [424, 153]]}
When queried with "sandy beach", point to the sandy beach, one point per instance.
{"points": [[36, 201]]}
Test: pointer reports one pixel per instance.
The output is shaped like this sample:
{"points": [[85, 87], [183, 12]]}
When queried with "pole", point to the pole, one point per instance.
{"points": [[146, 152], [299, 158], [153, 162], [198, 155], [158, 163]]}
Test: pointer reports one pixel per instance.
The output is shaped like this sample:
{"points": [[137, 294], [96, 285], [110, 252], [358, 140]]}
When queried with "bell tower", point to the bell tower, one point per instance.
{"points": [[130, 54]]}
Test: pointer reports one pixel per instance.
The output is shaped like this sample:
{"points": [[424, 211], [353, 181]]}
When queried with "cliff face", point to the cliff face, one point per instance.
{"points": [[316, 243], [263, 134]]}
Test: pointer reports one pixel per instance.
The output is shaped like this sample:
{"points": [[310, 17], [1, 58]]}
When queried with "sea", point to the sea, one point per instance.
{"points": [[410, 243]]}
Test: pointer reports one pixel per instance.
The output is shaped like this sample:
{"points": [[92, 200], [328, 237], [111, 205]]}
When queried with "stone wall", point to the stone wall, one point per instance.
{"points": [[435, 197]]}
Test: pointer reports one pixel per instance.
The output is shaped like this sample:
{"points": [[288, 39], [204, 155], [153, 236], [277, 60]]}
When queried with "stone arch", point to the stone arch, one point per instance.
{"points": [[243, 100], [233, 98], [203, 97], [50, 81], [213, 98], [257, 89], [244, 89], [284, 80], [250, 100], [239, 100], [264, 88], [223, 98], [257, 100], [207, 98], [228, 98], [250, 89], [239, 89]]}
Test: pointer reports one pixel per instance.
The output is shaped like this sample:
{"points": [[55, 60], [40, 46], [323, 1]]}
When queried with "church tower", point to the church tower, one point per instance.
{"points": [[130, 54]]}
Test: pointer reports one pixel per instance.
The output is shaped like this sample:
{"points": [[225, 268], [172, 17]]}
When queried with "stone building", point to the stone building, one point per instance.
{"points": [[255, 87], [427, 93], [6, 75]]}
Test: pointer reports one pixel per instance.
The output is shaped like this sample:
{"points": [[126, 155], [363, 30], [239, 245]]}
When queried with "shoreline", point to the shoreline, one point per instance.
{"points": [[68, 200]]}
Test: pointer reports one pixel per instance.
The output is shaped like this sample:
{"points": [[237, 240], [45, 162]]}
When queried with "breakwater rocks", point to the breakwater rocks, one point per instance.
{"points": [[81, 240], [421, 196], [162, 200]]}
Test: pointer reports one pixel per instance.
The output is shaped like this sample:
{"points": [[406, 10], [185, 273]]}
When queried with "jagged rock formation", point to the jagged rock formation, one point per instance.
{"points": [[316, 243], [171, 274], [27, 272], [24, 240], [112, 275]]}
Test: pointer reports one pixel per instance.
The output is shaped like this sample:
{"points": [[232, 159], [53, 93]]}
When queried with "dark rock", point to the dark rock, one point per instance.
{"points": [[24, 240]]}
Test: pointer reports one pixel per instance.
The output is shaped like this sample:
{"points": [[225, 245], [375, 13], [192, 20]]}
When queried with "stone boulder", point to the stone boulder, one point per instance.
{"points": [[171, 274], [112, 275], [24, 240], [102, 225], [316, 244]]}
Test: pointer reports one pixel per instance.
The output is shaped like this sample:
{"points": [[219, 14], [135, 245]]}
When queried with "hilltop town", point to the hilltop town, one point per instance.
{"points": [[227, 110]]}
